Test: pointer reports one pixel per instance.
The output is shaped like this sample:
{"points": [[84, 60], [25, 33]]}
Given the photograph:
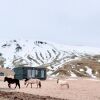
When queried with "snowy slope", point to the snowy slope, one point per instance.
{"points": [[38, 53]]}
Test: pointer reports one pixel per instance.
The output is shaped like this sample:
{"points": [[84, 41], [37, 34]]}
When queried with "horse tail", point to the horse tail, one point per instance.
{"points": [[39, 84]]}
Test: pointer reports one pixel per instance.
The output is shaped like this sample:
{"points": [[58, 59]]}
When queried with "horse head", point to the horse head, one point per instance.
{"points": [[5, 79], [25, 81]]}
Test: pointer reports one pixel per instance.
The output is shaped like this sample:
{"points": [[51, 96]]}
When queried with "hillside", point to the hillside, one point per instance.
{"points": [[62, 60]]}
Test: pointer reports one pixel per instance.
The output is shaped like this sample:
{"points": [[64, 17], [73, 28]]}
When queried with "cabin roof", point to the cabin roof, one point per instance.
{"points": [[30, 67]]}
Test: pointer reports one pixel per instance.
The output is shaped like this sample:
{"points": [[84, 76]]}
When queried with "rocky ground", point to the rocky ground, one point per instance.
{"points": [[24, 96]]}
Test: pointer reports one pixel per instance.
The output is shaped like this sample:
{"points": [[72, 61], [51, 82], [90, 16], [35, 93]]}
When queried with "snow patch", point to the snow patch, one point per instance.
{"points": [[81, 69], [73, 75], [89, 71], [99, 60]]}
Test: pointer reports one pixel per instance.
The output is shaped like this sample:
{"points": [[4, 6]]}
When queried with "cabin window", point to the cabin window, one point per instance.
{"points": [[36, 73], [42, 73], [29, 73], [33, 73]]}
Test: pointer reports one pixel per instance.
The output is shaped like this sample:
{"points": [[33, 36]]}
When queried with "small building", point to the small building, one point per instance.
{"points": [[6, 72], [30, 72], [1, 74]]}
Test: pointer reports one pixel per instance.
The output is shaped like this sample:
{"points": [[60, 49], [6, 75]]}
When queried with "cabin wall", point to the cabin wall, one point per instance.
{"points": [[18, 73], [30, 72]]}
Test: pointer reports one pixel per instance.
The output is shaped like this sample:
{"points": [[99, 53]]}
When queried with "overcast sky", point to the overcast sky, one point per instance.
{"points": [[75, 22]]}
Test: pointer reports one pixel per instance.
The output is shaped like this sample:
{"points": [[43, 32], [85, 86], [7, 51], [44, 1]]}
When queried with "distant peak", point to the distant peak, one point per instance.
{"points": [[38, 43]]}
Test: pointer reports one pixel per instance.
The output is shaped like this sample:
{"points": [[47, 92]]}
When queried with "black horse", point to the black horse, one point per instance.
{"points": [[12, 81]]}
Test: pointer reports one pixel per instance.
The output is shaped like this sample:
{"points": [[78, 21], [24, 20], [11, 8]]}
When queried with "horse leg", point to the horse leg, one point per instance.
{"points": [[16, 86], [27, 85], [68, 86], [19, 85], [37, 85], [9, 85], [31, 85]]}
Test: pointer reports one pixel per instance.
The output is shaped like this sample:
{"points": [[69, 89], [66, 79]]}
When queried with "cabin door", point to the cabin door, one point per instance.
{"points": [[42, 74], [31, 73]]}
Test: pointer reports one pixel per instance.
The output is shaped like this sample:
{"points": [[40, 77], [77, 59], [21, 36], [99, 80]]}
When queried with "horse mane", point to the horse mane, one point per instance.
{"points": [[7, 77]]}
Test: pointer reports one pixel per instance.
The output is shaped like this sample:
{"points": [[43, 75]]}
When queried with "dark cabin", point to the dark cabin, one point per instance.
{"points": [[30, 72]]}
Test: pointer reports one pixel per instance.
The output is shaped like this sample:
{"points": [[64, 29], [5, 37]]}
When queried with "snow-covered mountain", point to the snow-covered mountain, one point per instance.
{"points": [[58, 59]]}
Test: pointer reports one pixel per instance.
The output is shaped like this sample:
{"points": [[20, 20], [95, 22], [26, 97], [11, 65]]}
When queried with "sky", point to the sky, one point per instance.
{"points": [[70, 22]]}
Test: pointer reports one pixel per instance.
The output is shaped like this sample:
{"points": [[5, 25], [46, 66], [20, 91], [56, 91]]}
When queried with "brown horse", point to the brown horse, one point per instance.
{"points": [[33, 81]]}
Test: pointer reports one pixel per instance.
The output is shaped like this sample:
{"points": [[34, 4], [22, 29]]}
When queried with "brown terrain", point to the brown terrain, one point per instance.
{"points": [[80, 89], [79, 67], [24, 96]]}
